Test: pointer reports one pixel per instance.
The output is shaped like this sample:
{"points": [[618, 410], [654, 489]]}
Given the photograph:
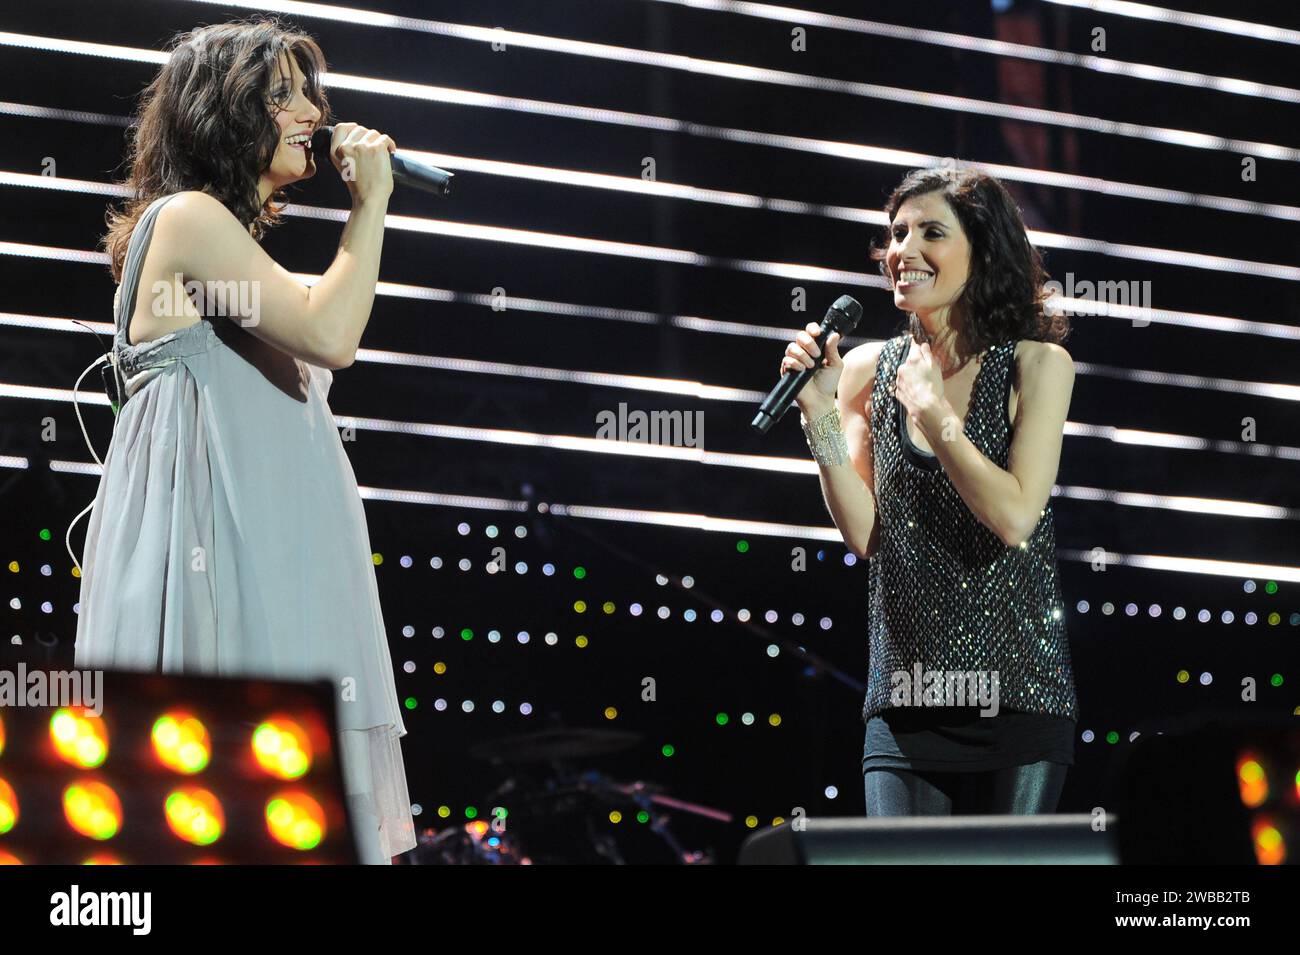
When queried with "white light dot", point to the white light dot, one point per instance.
{"points": [[409, 666], [46, 570], [716, 616], [1227, 616], [688, 581], [494, 636], [47, 607], [850, 559], [523, 637], [825, 623], [521, 531], [797, 619], [438, 633], [1206, 679], [439, 704], [491, 530], [1179, 613], [743, 615], [464, 563], [1203, 616], [406, 560], [1250, 617], [468, 706], [1248, 586], [770, 616], [408, 631], [416, 809], [635, 610], [663, 613], [498, 706], [552, 639], [1133, 735], [747, 719], [526, 708], [521, 567], [435, 563], [491, 567], [1088, 736], [1130, 610], [1108, 608], [16, 604], [831, 792], [548, 569], [773, 650], [462, 528], [660, 579], [690, 616], [1154, 610], [1082, 606]]}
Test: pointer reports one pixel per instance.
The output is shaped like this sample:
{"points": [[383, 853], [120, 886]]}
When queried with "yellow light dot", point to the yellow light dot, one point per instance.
{"points": [[777, 821], [1274, 619], [444, 812], [76, 572], [1183, 676], [581, 641], [377, 559], [616, 817], [13, 566], [608, 607], [611, 713], [580, 606], [775, 719], [440, 668], [751, 822]]}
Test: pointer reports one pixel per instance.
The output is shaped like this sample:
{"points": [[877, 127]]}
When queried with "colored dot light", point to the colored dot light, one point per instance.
{"points": [[1252, 782], [616, 817], [92, 809], [580, 606], [722, 719], [295, 819], [282, 748], [440, 668], [195, 815], [751, 822], [81, 740], [668, 749], [1270, 847], [611, 713], [643, 817], [180, 741], [8, 807], [580, 573], [581, 641], [742, 546]]}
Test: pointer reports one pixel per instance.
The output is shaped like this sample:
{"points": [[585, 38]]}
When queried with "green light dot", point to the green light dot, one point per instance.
{"points": [[1112, 737], [501, 812], [668, 749], [722, 719], [1270, 587], [580, 572], [1276, 679], [467, 634], [410, 702], [470, 812], [644, 816], [742, 546], [45, 533]]}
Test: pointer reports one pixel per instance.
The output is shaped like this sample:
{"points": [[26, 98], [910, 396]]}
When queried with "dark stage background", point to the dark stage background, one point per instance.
{"points": [[1181, 454]]}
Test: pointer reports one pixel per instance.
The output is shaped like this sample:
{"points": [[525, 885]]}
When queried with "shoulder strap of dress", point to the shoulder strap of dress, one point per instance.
{"points": [[136, 250]]}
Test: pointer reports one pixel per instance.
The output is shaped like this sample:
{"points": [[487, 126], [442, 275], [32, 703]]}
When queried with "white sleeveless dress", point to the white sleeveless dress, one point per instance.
{"points": [[228, 537]]}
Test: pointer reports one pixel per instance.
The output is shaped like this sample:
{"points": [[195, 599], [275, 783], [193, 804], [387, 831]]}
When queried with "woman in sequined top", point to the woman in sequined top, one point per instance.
{"points": [[938, 450]]}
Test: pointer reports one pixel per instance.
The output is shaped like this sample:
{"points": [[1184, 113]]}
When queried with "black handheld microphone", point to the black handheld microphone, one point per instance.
{"points": [[407, 170], [841, 317]]}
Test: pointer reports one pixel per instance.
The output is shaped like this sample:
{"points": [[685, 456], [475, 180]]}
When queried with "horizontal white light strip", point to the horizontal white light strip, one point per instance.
{"points": [[1218, 323], [1200, 21], [593, 445], [673, 386], [634, 184], [14, 461], [727, 525], [744, 72], [1189, 565], [1190, 505], [976, 44], [856, 153]]}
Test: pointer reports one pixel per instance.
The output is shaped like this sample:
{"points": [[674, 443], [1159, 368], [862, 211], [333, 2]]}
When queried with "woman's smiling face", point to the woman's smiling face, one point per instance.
{"points": [[295, 115], [929, 255]]}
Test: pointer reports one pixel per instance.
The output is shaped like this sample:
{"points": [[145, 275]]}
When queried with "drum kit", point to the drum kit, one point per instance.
{"points": [[560, 813]]}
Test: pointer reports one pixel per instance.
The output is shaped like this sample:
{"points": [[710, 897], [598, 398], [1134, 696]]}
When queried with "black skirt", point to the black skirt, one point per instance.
{"points": [[958, 739]]}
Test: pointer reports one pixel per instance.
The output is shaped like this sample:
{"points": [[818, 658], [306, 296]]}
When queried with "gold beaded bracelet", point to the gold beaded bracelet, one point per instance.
{"points": [[825, 439]]}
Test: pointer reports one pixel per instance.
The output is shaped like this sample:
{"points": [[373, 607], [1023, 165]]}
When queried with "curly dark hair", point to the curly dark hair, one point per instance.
{"points": [[205, 123], [1003, 299]]}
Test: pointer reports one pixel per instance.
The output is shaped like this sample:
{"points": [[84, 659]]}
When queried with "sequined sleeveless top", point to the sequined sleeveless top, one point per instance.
{"points": [[945, 591]]}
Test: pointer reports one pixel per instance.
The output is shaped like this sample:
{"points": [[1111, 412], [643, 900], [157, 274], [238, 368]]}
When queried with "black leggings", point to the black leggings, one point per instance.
{"points": [[1017, 790]]}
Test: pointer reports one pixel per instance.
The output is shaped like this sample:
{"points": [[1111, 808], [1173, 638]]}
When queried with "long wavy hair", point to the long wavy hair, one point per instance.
{"points": [[205, 123], [1003, 299]]}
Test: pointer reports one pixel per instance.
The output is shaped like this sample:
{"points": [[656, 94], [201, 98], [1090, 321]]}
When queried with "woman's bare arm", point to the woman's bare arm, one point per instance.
{"points": [[1010, 502]]}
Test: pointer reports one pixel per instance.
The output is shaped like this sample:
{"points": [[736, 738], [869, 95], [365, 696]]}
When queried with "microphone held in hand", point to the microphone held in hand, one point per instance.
{"points": [[407, 170], [841, 317]]}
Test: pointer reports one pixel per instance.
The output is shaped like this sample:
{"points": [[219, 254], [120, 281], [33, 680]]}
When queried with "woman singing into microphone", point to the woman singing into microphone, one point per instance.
{"points": [[228, 535], [938, 450]]}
